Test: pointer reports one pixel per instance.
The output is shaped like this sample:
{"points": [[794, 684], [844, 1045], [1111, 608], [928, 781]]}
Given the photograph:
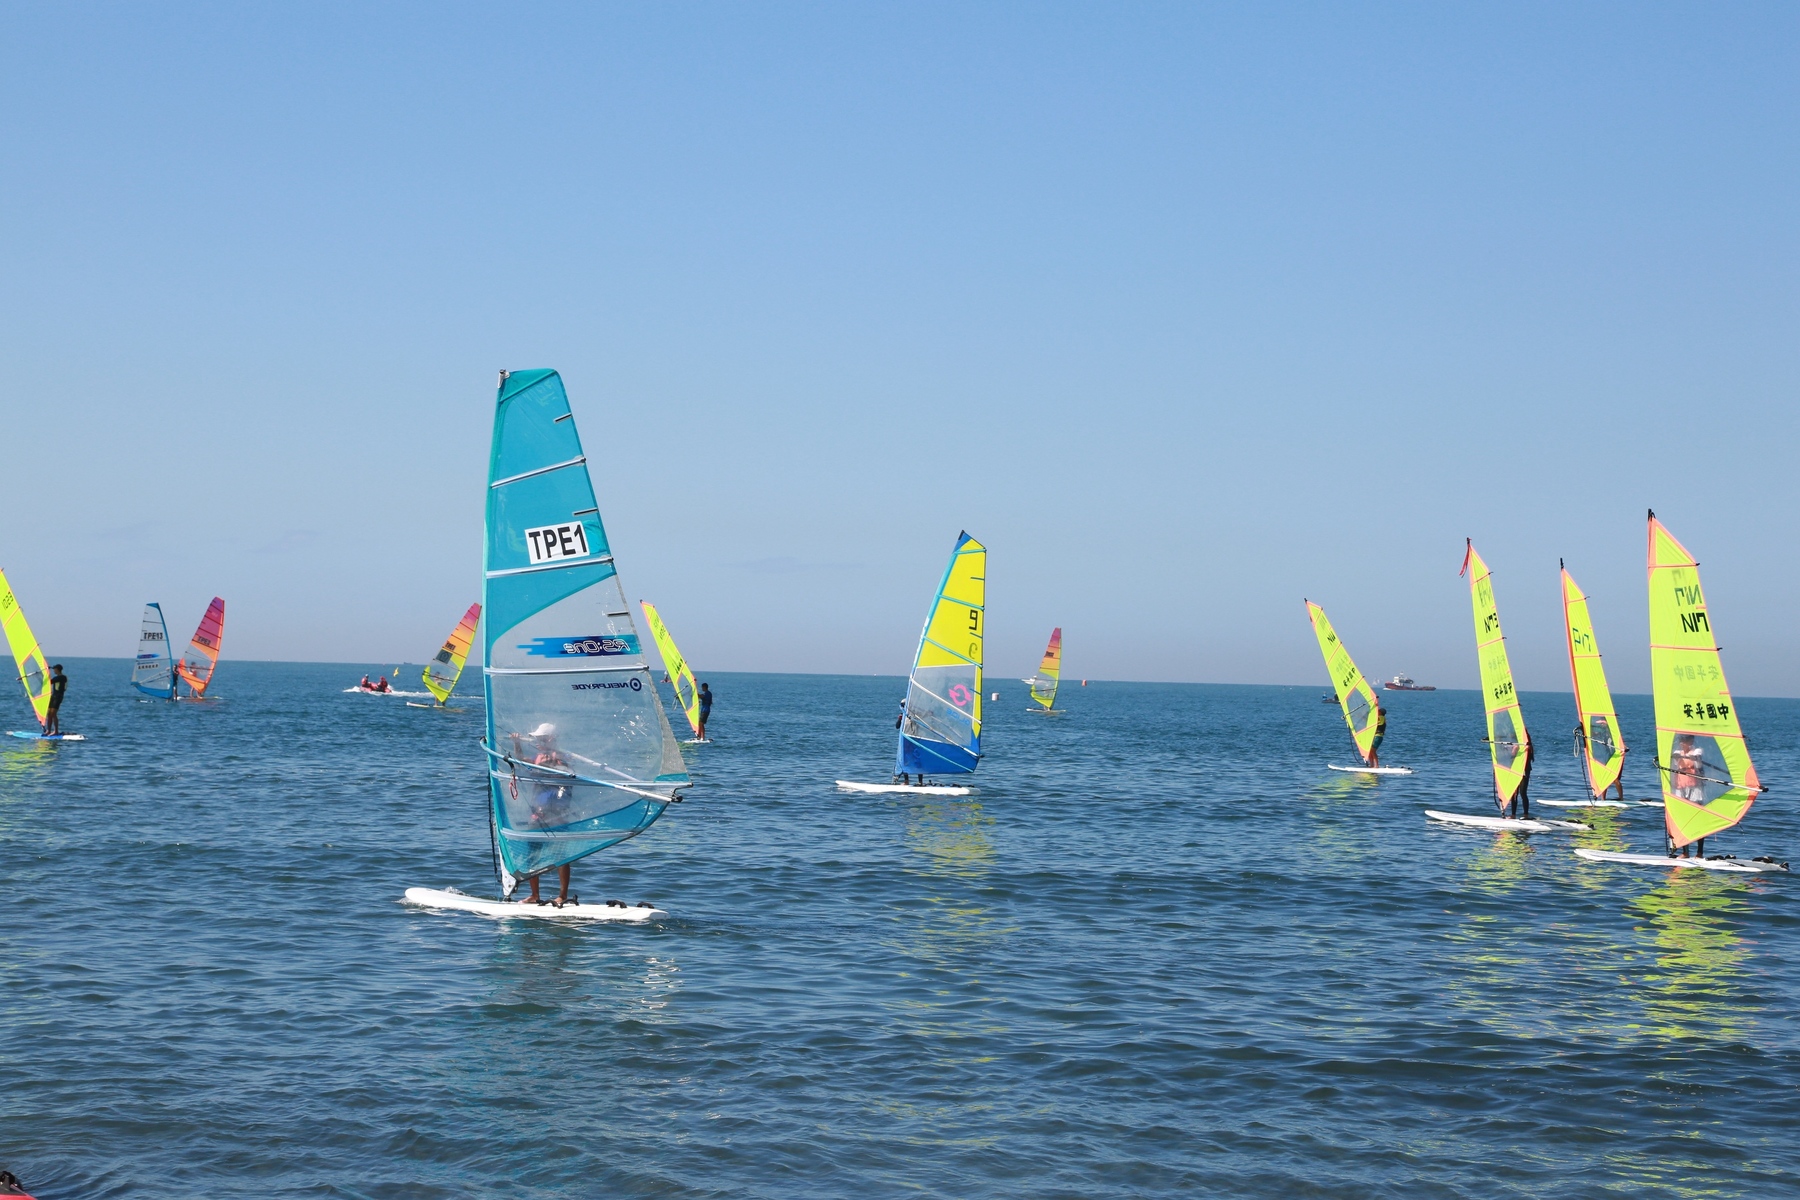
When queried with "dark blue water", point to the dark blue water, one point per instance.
{"points": [[1162, 950]]}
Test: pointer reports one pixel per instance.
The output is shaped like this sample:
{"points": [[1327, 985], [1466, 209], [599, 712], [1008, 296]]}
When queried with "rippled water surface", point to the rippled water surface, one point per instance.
{"points": [[1161, 950]]}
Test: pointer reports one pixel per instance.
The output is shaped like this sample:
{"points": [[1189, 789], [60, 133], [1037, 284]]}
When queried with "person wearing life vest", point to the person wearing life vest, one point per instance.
{"points": [[1380, 732]]}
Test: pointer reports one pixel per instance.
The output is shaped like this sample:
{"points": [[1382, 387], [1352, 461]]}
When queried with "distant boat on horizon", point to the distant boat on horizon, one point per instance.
{"points": [[1404, 683]]}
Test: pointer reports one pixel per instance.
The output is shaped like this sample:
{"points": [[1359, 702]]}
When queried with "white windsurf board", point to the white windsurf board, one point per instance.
{"points": [[1743, 866], [1371, 770], [31, 736], [928, 790], [573, 911], [1583, 803], [1531, 826]]}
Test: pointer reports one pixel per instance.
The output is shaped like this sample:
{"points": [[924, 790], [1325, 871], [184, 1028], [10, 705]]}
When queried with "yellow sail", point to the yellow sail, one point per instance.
{"points": [[1049, 675], [1507, 740], [34, 673], [442, 672], [1598, 735], [687, 692], [1354, 694], [1708, 781]]}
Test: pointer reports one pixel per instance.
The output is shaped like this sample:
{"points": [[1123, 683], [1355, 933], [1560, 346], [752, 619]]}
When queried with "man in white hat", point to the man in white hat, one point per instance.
{"points": [[546, 805]]}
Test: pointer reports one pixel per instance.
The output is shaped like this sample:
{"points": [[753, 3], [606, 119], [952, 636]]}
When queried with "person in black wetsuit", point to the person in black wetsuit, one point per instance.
{"points": [[59, 683], [1520, 805], [705, 710]]}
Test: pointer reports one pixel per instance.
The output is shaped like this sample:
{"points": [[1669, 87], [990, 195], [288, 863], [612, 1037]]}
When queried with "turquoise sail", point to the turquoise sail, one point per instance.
{"points": [[580, 753], [153, 673]]}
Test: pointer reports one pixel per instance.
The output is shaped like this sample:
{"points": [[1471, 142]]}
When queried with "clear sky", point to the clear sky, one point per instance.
{"points": [[1186, 311]]}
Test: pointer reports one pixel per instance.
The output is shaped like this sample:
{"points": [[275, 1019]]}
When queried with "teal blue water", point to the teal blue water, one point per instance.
{"points": [[1161, 951]]}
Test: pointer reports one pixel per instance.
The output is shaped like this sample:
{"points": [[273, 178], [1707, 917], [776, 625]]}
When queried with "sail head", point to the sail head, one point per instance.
{"points": [[581, 756], [1708, 780], [940, 733]]}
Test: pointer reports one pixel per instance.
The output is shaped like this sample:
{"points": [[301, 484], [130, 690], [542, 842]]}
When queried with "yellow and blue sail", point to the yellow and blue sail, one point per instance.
{"points": [[1602, 745], [34, 673], [1509, 746], [1355, 696], [153, 673], [446, 667], [580, 753], [1708, 780], [681, 676], [940, 731]]}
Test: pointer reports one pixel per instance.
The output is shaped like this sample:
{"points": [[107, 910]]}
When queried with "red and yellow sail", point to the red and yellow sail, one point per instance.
{"points": [[1708, 780], [442, 672], [201, 657], [1602, 742], [1508, 743], [1049, 674]]}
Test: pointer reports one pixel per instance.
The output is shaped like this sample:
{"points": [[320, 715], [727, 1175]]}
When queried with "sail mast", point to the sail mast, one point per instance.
{"points": [[1708, 780]]}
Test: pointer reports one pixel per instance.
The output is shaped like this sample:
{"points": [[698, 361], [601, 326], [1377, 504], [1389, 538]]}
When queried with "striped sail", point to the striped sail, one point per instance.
{"points": [[154, 671], [1354, 694], [34, 672], [687, 690], [941, 731], [202, 655], [442, 672], [580, 754], [1508, 743], [1049, 673], [1599, 740], [1708, 780]]}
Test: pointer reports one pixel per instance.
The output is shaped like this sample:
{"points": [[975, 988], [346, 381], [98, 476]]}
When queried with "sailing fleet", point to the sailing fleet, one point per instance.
{"points": [[581, 755], [1708, 780]]}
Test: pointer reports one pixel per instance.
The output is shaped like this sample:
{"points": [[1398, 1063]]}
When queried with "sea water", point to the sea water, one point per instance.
{"points": [[1160, 950]]}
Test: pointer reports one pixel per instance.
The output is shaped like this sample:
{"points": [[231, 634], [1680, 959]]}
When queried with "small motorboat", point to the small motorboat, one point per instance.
{"points": [[1404, 683], [1329, 698]]}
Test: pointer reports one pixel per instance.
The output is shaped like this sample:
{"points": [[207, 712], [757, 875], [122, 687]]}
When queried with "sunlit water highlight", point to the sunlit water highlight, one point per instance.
{"points": [[1161, 950]]}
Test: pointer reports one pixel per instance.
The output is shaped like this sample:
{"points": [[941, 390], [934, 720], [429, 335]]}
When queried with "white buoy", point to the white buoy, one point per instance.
{"points": [[995, 696]]}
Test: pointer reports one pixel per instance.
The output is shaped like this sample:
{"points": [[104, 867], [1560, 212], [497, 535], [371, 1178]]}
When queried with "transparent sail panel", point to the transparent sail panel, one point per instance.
{"points": [[940, 705]]}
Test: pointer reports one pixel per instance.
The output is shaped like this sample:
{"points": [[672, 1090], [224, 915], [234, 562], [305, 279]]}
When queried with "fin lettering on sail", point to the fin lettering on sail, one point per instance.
{"points": [[940, 733], [580, 753], [1708, 780], [1354, 694], [446, 667]]}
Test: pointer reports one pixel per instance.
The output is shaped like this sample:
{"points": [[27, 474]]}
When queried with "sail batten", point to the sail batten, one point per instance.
{"points": [[153, 673], [1599, 740], [1708, 780], [567, 677], [940, 732], [681, 676], [1509, 745], [446, 667], [1354, 695], [28, 656], [1049, 673], [201, 658]]}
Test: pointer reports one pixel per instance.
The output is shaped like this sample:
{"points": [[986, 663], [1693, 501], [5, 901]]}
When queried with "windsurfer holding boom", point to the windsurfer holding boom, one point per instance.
{"points": [[547, 803], [1380, 732]]}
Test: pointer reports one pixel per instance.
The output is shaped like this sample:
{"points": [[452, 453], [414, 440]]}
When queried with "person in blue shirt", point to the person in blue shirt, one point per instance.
{"points": [[705, 710]]}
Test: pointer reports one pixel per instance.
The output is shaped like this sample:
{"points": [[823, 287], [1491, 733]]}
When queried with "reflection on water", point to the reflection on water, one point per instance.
{"points": [[1691, 990], [1494, 965], [952, 837]]}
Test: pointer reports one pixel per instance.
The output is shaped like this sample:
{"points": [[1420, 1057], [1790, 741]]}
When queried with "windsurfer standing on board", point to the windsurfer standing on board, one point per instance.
{"points": [[59, 683], [546, 807], [705, 710], [1380, 732], [1519, 806]]}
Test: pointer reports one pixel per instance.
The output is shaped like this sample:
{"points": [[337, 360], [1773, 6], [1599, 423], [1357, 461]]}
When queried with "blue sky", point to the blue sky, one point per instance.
{"points": [[1186, 311]]}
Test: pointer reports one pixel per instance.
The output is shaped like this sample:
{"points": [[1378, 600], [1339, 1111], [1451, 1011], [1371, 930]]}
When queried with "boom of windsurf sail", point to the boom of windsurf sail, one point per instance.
{"points": [[442, 672], [202, 655], [34, 673], [940, 733], [153, 673], [1049, 673], [1600, 742], [580, 753], [687, 690], [1354, 694], [1508, 743], [1708, 780]]}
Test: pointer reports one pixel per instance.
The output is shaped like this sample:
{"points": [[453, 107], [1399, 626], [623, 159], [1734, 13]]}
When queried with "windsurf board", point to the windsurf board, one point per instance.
{"points": [[572, 911], [1371, 770], [1742, 866], [1531, 826], [1584, 803], [927, 790], [30, 736]]}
